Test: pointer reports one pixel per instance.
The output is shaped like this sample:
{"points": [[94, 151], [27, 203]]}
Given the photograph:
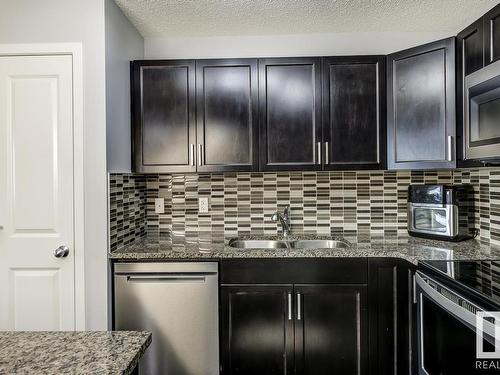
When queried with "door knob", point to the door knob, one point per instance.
{"points": [[61, 251]]}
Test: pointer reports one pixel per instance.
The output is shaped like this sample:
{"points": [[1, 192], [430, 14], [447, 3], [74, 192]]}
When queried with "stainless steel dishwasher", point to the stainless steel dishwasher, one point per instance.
{"points": [[178, 303]]}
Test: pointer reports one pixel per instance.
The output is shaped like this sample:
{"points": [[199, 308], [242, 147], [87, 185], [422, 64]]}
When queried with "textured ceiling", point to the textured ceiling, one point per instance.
{"points": [[268, 17]]}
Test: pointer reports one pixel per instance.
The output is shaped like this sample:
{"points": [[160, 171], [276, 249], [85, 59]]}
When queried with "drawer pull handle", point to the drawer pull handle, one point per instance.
{"points": [[299, 306]]}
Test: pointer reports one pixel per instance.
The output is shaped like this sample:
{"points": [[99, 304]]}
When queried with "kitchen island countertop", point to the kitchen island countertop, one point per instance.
{"points": [[97, 353]]}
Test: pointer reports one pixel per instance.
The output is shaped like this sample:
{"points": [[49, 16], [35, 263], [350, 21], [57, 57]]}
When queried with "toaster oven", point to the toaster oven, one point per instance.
{"points": [[443, 212]]}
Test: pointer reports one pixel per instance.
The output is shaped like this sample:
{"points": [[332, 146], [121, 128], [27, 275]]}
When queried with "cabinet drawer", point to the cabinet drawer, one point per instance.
{"points": [[294, 270]]}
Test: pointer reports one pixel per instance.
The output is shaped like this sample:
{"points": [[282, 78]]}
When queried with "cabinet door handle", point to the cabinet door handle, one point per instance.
{"points": [[299, 306], [191, 154], [318, 151], [326, 153], [289, 306], [449, 148], [200, 154]]}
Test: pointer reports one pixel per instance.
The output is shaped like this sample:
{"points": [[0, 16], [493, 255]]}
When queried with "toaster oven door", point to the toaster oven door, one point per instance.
{"points": [[433, 219]]}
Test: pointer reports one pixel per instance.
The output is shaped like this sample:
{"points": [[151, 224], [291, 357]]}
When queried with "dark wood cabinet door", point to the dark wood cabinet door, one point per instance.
{"points": [[392, 328], [163, 116], [470, 57], [354, 110], [256, 330], [491, 30], [227, 121], [290, 113], [421, 107], [331, 329]]}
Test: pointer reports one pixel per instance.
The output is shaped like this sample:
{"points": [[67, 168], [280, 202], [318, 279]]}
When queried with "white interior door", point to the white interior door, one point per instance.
{"points": [[37, 289]]}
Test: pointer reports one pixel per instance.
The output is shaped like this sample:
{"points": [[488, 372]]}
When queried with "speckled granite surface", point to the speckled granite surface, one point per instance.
{"points": [[406, 247], [71, 352]]}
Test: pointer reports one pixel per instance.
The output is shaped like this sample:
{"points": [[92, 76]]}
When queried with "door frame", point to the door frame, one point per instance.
{"points": [[75, 51]]}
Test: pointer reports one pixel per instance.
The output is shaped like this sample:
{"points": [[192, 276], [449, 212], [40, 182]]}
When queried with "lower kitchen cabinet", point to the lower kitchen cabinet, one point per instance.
{"points": [[257, 330], [342, 316], [331, 329], [300, 329], [392, 315]]}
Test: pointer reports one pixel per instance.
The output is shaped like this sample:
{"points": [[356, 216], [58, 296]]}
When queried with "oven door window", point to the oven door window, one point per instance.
{"points": [[430, 219], [448, 345], [484, 113]]}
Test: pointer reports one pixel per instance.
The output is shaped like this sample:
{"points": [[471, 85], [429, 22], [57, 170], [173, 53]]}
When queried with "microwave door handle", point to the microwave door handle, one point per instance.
{"points": [[449, 148]]}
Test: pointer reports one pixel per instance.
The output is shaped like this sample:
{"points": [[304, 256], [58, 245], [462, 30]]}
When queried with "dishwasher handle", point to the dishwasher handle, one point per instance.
{"points": [[165, 278]]}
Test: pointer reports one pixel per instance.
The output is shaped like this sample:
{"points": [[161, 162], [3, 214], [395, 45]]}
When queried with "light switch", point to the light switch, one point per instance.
{"points": [[159, 205], [203, 205]]}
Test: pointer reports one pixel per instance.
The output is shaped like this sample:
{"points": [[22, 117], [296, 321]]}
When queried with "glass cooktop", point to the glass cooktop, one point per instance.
{"points": [[479, 276]]}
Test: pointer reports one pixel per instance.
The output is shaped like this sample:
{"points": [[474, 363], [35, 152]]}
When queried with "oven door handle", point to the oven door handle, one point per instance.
{"points": [[451, 307]]}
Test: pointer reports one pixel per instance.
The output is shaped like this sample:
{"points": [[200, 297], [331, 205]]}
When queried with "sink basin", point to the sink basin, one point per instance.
{"points": [[285, 244], [258, 244], [319, 244]]}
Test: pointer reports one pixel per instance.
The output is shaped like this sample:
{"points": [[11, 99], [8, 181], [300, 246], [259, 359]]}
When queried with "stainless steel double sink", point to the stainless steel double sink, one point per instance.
{"points": [[287, 244]]}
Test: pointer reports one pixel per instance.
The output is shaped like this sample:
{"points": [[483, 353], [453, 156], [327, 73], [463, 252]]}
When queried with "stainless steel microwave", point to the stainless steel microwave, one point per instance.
{"points": [[482, 114]]}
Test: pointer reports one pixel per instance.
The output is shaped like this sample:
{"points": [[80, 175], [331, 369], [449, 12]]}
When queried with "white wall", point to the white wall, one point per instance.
{"points": [[50, 21], [284, 45], [123, 44]]}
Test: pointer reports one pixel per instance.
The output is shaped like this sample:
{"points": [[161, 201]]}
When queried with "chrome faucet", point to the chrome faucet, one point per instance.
{"points": [[284, 220]]}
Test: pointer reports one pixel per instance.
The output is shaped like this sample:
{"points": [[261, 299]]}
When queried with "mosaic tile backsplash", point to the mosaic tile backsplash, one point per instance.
{"points": [[127, 209], [336, 203]]}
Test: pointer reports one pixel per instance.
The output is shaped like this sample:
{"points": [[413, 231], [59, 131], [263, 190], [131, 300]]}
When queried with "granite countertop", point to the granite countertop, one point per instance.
{"points": [[410, 248], [72, 352]]}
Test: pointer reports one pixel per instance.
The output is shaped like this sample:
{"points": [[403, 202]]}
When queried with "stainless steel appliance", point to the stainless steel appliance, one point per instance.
{"points": [[178, 303], [482, 113], [441, 211], [447, 305]]}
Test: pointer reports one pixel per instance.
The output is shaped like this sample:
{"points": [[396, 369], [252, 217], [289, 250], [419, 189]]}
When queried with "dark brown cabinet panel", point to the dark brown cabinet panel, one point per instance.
{"points": [[491, 30], [421, 107], [290, 113], [292, 326], [354, 112], [257, 330], [470, 57], [163, 115], [470, 48], [294, 270], [227, 121], [392, 328], [331, 329]]}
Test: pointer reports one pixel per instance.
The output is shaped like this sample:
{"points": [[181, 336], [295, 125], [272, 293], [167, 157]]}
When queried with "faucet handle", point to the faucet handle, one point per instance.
{"points": [[286, 211]]}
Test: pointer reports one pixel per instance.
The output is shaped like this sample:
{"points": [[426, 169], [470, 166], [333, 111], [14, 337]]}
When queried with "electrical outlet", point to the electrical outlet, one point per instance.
{"points": [[159, 205], [203, 205]]}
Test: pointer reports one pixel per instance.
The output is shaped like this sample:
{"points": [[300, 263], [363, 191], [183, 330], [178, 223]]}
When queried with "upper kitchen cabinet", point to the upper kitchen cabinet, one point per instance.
{"points": [[470, 58], [491, 30], [421, 107], [354, 112], [163, 105], [290, 113], [470, 48], [227, 121]]}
